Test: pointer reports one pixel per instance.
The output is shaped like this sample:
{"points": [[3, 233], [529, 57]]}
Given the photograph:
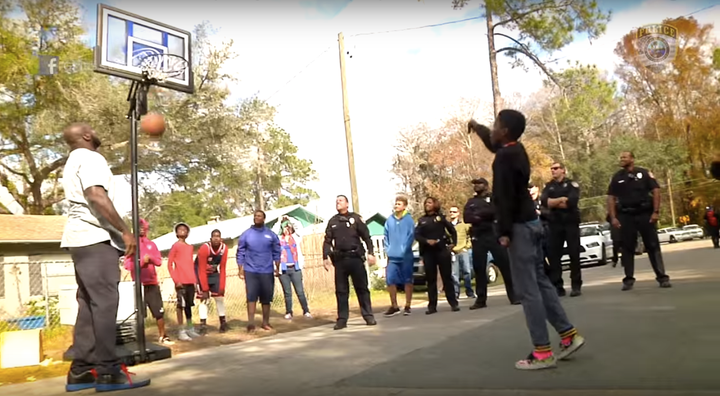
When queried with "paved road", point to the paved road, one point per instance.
{"points": [[649, 341]]}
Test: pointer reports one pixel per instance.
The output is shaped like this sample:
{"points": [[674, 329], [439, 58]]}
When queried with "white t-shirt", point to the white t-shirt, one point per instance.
{"points": [[83, 169]]}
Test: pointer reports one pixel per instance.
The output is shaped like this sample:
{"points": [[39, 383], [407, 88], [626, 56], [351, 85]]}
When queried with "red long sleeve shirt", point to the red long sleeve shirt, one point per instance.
{"points": [[181, 265], [202, 258]]}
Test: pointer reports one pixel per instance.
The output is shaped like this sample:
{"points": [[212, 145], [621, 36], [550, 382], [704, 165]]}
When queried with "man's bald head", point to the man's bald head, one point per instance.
{"points": [[81, 135]]}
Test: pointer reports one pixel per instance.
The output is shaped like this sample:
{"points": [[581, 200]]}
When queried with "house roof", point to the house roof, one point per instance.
{"points": [[31, 228], [232, 228], [377, 217]]}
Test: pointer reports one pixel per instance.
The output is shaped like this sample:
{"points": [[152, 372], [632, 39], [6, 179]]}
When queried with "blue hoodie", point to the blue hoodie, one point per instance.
{"points": [[258, 249], [399, 237]]}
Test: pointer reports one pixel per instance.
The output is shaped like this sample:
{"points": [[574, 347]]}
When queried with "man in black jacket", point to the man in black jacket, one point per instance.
{"points": [[543, 215], [479, 212]]}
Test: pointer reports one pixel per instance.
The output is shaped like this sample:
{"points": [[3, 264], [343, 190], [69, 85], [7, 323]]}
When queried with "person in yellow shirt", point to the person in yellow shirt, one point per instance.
{"points": [[461, 257]]}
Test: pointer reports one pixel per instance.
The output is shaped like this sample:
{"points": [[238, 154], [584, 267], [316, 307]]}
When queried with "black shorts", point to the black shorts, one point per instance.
{"points": [[259, 287], [214, 283], [153, 301], [186, 296]]}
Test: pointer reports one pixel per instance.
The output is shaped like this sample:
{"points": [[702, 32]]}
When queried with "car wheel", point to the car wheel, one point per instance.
{"points": [[603, 258], [672, 239], [492, 272]]}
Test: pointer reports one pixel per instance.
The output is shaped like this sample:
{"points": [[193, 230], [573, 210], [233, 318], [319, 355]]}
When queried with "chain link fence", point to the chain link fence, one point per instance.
{"points": [[42, 294]]}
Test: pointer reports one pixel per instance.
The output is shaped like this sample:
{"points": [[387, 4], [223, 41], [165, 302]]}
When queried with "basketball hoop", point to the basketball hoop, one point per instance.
{"points": [[160, 67]]}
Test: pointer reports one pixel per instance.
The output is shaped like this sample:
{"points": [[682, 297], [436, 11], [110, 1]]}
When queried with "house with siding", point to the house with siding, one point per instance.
{"points": [[32, 264]]}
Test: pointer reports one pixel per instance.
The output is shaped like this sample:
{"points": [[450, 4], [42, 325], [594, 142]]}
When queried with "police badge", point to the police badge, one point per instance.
{"points": [[657, 45], [438, 218], [352, 220], [574, 184]]}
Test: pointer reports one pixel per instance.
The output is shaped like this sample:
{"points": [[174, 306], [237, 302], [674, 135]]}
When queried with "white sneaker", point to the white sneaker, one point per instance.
{"points": [[165, 341], [307, 315], [192, 333], [288, 316], [183, 336]]}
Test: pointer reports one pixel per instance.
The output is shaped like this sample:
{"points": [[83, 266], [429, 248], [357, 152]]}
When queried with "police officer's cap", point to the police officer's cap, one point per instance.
{"points": [[480, 180]]}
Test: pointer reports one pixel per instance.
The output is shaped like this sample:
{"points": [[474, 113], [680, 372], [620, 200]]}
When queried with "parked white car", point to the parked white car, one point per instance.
{"points": [[595, 245], [672, 235], [695, 230]]}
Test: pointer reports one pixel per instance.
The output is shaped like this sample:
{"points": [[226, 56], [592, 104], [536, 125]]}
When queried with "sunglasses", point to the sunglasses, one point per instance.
{"points": [[453, 211]]}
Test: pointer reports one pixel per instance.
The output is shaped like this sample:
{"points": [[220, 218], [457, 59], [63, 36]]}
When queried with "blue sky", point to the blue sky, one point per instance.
{"points": [[394, 79]]}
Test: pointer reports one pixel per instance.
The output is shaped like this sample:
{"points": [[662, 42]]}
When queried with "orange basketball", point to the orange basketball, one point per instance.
{"points": [[153, 124]]}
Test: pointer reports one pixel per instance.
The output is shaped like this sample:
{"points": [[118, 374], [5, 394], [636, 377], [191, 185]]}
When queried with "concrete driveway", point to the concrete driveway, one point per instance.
{"points": [[648, 341]]}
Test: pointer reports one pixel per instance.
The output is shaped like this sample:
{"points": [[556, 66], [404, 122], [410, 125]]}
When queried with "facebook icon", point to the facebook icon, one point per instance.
{"points": [[49, 65]]}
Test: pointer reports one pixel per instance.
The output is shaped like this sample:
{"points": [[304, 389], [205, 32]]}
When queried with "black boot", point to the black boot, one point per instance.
{"points": [[223, 325]]}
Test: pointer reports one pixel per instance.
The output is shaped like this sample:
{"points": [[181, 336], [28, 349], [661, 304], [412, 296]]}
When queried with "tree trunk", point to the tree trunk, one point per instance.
{"points": [[497, 99], [259, 198]]}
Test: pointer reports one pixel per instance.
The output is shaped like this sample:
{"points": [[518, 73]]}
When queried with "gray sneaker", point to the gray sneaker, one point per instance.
{"points": [[533, 363], [566, 350]]}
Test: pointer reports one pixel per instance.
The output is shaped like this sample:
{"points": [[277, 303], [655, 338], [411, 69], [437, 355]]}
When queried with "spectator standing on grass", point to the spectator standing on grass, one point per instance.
{"points": [[291, 264], [461, 254], [182, 271], [210, 265], [399, 238], [258, 260], [149, 259]]}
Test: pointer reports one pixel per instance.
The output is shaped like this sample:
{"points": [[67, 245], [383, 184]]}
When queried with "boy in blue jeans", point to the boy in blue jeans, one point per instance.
{"points": [[399, 239], [521, 232]]}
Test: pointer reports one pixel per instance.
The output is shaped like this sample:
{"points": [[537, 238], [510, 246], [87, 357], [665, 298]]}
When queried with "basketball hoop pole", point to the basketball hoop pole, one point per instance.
{"points": [[137, 96]]}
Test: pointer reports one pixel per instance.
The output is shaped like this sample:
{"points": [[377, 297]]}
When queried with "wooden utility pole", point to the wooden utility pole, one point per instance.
{"points": [[348, 135], [497, 98], [670, 194]]}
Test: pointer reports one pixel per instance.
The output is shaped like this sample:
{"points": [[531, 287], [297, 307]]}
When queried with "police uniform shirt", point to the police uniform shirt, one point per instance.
{"points": [[558, 189], [633, 189], [435, 227], [346, 231]]}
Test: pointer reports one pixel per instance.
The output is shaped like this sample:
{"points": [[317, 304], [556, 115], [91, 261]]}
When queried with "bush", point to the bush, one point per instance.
{"points": [[376, 283]]}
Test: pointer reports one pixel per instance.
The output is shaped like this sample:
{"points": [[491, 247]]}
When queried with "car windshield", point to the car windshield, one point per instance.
{"points": [[688, 227], [588, 231]]}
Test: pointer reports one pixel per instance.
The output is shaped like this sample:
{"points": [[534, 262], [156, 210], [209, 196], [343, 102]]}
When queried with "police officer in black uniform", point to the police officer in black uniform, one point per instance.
{"points": [[435, 249], [634, 206], [561, 196], [479, 212], [343, 249]]}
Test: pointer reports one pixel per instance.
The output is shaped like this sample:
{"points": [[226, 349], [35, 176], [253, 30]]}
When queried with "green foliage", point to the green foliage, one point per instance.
{"points": [[716, 59], [37, 307], [594, 171], [547, 25], [206, 156], [376, 283]]}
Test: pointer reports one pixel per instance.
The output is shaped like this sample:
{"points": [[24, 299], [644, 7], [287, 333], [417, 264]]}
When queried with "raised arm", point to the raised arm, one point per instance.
{"points": [[483, 133]]}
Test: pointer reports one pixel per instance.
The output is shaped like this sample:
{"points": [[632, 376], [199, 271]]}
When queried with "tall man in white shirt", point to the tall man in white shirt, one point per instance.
{"points": [[96, 236]]}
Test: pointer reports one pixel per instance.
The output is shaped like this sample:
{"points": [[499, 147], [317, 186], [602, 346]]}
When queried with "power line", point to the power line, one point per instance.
{"points": [[415, 28], [300, 72], [700, 10]]}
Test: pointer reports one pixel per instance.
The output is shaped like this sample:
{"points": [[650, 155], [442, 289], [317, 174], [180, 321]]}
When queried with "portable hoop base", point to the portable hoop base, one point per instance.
{"points": [[138, 351]]}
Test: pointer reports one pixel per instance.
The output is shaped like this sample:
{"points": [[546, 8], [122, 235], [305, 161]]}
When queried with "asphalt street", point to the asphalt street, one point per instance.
{"points": [[648, 341]]}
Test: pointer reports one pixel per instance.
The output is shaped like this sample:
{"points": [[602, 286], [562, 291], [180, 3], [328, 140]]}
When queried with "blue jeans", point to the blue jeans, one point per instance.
{"points": [[540, 300], [289, 279], [461, 263]]}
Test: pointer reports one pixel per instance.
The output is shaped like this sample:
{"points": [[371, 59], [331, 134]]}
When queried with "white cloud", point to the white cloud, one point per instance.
{"points": [[389, 86]]}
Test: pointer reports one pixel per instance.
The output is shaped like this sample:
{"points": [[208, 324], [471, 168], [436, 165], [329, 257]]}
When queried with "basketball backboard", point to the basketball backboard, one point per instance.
{"points": [[124, 39]]}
